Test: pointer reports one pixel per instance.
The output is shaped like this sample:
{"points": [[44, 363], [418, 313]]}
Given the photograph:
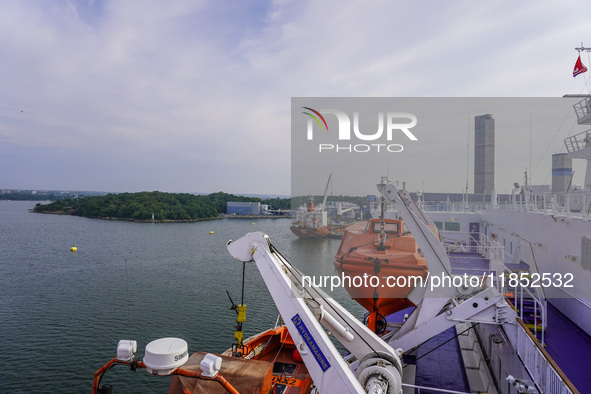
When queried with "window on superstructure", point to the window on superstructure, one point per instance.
{"points": [[389, 228], [452, 226]]}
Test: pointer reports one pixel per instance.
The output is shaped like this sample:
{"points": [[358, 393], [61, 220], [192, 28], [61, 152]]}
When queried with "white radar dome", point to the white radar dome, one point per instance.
{"points": [[164, 355]]}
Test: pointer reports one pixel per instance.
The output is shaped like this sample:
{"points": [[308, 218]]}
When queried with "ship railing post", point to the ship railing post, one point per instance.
{"points": [[536, 317], [544, 199]]}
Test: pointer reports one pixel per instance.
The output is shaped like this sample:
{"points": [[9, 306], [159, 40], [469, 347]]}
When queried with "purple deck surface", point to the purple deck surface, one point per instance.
{"points": [[468, 263], [565, 342], [570, 348], [441, 368]]}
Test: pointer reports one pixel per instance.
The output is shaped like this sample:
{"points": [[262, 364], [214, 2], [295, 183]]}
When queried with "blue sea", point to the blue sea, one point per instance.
{"points": [[62, 313]]}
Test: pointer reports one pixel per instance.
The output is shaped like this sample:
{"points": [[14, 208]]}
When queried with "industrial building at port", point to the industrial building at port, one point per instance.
{"points": [[252, 208]]}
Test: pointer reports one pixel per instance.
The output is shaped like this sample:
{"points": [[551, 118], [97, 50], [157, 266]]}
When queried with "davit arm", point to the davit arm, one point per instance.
{"points": [[442, 307], [304, 309]]}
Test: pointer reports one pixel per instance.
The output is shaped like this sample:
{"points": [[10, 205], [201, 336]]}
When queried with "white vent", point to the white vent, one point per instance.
{"points": [[210, 365], [126, 349]]}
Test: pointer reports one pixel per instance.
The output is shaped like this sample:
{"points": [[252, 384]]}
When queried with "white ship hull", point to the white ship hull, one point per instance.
{"points": [[557, 244]]}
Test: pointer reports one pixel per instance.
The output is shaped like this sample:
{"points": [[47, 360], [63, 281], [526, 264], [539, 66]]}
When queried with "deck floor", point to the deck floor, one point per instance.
{"points": [[440, 364], [570, 348], [567, 345], [443, 367]]}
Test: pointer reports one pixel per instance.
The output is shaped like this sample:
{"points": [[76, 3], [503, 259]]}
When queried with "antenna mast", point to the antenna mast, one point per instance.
{"points": [[583, 48]]}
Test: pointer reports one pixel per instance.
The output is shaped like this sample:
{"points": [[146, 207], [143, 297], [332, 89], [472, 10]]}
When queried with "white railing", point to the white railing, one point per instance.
{"points": [[456, 206], [505, 283], [577, 142], [481, 243], [542, 371], [519, 284], [575, 203], [582, 109], [525, 253]]}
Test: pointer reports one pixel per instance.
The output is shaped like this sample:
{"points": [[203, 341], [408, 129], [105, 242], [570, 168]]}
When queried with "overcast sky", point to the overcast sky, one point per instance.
{"points": [[194, 96], [441, 158]]}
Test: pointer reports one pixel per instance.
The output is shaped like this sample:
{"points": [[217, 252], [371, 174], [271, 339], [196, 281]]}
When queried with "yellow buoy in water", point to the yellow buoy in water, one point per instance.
{"points": [[211, 232], [73, 248], [253, 223]]}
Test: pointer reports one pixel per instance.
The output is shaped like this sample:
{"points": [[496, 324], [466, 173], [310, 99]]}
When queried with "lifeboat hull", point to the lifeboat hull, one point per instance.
{"points": [[310, 232], [380, 275]]}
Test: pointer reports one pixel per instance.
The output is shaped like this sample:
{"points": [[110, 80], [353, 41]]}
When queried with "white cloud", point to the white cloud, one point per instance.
{"points": [[204, 87]]}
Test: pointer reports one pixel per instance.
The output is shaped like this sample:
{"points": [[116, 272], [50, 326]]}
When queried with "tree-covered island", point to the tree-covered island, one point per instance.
{"points": [[141, 206]]}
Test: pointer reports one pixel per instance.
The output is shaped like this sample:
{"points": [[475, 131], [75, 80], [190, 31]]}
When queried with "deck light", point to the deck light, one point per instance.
{"points": [[126, 350]]}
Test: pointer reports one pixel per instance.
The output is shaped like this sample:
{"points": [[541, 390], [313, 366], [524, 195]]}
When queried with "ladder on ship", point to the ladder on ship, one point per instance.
{"points": [[524, 289], [520, 280]]}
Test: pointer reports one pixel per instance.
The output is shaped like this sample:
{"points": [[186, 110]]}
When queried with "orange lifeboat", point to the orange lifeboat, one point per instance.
{"points": [[380, 265]]}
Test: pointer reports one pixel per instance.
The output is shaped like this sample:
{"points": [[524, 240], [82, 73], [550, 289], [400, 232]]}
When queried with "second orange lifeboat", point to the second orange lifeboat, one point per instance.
{"points": [[380, 264]]}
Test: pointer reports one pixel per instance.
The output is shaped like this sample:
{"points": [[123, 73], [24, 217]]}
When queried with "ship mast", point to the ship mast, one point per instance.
{"points": [[326, 192], [579, 145]]}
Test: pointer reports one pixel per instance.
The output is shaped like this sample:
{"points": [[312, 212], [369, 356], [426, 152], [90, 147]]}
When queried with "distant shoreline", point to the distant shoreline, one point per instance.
{"points": [[221, 216], [127, 219], [226, 216]]}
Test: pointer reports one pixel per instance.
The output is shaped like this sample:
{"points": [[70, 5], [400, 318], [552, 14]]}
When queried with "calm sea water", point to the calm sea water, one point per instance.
{"points": [[62, 313]]}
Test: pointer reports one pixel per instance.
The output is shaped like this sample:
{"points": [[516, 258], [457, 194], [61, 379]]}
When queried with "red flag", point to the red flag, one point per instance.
{"points": [[579, 67]]}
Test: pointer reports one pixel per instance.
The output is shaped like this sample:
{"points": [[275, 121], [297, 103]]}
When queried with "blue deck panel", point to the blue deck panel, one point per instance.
{"points": [[570, 348], [441, 368], [438, 368], [468, 263]]}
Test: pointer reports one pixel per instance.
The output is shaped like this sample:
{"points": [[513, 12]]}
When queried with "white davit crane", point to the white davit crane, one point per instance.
{"points": [[440, 307], [305, 309]]}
